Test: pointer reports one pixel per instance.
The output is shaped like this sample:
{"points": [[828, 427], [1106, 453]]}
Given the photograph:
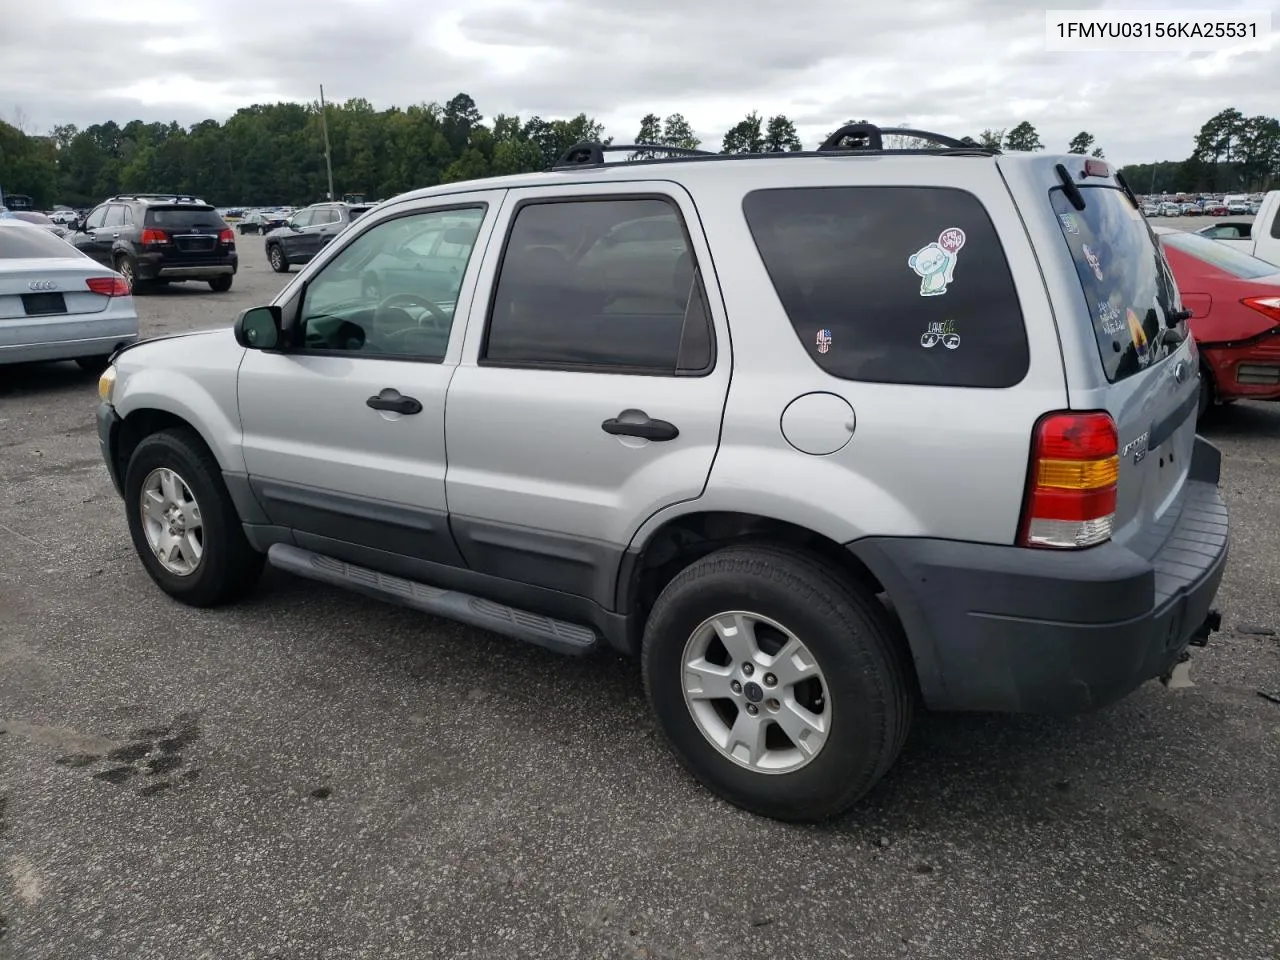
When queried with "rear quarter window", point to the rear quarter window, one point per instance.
{"points": [[1126, 279], [893, 284]]}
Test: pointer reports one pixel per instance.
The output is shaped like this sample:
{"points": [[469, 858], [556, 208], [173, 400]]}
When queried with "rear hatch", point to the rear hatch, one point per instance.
{"points": [[42, 275], [188, 234], [1143, 361]]}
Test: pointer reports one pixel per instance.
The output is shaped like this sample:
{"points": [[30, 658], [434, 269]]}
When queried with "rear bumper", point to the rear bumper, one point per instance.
{"points": [[156, 266], [68, 336], [1246, 371], [1036, 631]]}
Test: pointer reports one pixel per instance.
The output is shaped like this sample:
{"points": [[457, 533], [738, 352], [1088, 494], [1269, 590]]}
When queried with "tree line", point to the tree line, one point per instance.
{"points": [[274, 153]]}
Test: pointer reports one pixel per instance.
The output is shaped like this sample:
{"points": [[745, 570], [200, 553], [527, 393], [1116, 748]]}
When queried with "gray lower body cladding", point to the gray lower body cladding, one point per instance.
{"points": [[1040, 631]]}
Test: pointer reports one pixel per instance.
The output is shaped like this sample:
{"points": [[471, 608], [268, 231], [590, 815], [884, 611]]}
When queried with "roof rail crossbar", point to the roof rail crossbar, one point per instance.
{"points": [[176, 197], [867, 136], [590, 152]]}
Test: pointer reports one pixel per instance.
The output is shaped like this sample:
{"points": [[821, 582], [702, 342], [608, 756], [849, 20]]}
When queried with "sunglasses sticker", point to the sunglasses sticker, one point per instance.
{"points": [[942, 331]]}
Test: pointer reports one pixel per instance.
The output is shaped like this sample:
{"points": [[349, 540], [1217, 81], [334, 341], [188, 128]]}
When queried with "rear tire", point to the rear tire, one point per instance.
{"points": [[277, 259], [129, 270], [868, 690], [1204, 404], [227, 566], [220, 284]]}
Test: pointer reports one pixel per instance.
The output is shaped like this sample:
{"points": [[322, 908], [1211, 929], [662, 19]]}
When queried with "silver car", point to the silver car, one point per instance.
{"points": [[818, 438], [56, 303]]}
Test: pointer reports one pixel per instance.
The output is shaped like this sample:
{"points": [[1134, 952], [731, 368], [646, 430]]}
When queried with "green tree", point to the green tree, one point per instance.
{"points": [[1097, 152], [1023, 137], [745, 136], [992, 139], [676, 132], [780, 136], [1081, 142]]}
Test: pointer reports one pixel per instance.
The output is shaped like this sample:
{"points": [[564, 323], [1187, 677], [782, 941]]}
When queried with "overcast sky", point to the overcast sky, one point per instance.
{"points": [[953, 66]]}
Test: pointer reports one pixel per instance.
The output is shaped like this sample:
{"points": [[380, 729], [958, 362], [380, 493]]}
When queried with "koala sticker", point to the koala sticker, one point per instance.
{"points": [[935, 263]]}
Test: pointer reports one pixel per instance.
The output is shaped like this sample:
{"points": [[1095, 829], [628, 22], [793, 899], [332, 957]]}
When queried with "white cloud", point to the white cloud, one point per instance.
{"points": [[957, 66]]}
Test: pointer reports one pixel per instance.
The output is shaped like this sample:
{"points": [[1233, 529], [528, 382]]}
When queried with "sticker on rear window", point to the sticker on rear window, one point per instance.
{"points": [[1139, 338], [943, 331], [1069, 224], [824, 341], [1110, 318], [935, 263], [1094, 262]]}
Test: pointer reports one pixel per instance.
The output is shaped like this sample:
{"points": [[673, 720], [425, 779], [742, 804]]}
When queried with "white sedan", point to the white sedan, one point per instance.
{"points": [[56, 303]]}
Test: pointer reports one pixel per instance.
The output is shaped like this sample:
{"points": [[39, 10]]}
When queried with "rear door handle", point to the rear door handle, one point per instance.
{"points": [[646, 429], [392, 401]]}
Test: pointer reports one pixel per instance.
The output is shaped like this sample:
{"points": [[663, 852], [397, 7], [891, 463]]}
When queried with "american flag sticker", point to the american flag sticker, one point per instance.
{"points": [[824, 341]]}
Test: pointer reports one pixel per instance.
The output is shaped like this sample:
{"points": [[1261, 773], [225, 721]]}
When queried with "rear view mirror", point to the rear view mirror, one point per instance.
{"points": [[258, 328]]}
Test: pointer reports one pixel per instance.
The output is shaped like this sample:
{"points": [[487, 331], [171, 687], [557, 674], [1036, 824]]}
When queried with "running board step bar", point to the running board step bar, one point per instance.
{"points": [[558, 635]]}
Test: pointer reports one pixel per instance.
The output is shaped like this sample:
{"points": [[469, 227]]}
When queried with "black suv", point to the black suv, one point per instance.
{"points": [[158, 238], [308, 231]]}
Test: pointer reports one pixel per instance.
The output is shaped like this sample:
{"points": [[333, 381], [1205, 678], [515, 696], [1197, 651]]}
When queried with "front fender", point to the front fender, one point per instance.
{"points": [[203, 394], [819, 494]]}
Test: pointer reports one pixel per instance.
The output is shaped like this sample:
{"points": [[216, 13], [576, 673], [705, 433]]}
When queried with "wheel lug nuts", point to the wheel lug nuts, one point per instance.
{"points": [[735, 686], [752, 709], [770, 680], [748, 669]]}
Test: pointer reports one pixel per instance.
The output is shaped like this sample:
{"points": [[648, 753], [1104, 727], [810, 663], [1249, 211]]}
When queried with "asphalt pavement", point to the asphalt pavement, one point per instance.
{"points": [[313, 774]]}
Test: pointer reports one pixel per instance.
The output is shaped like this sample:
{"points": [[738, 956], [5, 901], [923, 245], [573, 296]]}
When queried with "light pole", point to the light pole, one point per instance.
{"points": [[324, 126]]}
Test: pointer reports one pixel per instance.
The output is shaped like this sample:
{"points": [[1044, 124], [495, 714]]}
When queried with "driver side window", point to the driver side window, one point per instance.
{"points": [[391, 291]]}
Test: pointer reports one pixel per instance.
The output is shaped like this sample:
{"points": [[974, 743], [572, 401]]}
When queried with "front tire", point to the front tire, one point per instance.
{"points": [[183, 523], [816, 657], [1204, 403], [93, 365], [277, 259]]}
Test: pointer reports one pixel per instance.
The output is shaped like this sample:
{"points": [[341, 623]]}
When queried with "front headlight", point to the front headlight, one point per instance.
{"points": [[107, 384]]}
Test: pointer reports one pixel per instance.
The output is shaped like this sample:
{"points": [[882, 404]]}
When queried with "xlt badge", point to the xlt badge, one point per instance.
{"points": [[1137, 446]]}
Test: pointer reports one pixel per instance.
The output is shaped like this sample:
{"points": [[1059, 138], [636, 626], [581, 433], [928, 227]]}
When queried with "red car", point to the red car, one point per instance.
{"points": [[1234, 301]]}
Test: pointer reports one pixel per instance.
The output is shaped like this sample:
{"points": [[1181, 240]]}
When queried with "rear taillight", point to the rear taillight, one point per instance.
{"points": [[153, 237], [1270, 306], [108, 286], [1071, 486], [227, 238]]}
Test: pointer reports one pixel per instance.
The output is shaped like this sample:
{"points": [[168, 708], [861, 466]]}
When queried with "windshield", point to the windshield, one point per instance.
{"points": [[1225, 258], [1126, 280], [26, 241]]}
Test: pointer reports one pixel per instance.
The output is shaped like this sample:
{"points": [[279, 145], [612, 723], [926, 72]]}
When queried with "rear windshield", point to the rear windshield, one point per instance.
{"points": [[1225, 258], [356, 211], [28, 241], [893, 284], [184, 217], [1126, 280]]}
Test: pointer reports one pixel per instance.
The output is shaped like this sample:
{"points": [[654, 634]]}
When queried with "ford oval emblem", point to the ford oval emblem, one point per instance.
{"points": [[1180, 371], [42, 285]]}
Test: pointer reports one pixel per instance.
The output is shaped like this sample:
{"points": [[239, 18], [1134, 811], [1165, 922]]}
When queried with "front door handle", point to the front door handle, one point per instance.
{"points": [[392, 401], [645, 429]]}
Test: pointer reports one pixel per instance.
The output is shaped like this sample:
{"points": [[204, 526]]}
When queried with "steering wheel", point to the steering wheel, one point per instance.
{"points": [[442, 320]]}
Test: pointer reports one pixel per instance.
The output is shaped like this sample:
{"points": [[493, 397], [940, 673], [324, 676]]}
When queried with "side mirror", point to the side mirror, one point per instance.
{"points": [[258, 328]]}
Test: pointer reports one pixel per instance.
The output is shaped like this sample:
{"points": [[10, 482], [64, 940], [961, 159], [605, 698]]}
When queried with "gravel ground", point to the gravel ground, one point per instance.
{"points": [[311, 774]]}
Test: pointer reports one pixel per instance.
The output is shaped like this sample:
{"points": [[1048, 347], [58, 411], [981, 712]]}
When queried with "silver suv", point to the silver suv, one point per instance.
{"points": [[818, 438]]}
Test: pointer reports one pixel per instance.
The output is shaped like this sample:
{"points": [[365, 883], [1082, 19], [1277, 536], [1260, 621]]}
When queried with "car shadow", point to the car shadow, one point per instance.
{"points": [[59, 376], [1245, 419]]}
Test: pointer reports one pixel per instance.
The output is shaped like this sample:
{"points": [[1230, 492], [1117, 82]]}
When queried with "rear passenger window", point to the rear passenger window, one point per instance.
{"points": [[600, 284], [893, 284]]}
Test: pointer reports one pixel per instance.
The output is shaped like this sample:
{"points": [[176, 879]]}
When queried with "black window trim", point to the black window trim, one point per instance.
{"points": [[482, 359], [1013, 281], [292, 329]]}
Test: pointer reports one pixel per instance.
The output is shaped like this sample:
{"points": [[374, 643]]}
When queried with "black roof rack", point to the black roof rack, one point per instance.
{"points": [[591, 153], [163, 197], [850, 140]]}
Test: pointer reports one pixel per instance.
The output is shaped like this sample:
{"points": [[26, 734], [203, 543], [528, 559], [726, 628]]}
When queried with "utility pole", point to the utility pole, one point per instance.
{"points": [[324, 125]]}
